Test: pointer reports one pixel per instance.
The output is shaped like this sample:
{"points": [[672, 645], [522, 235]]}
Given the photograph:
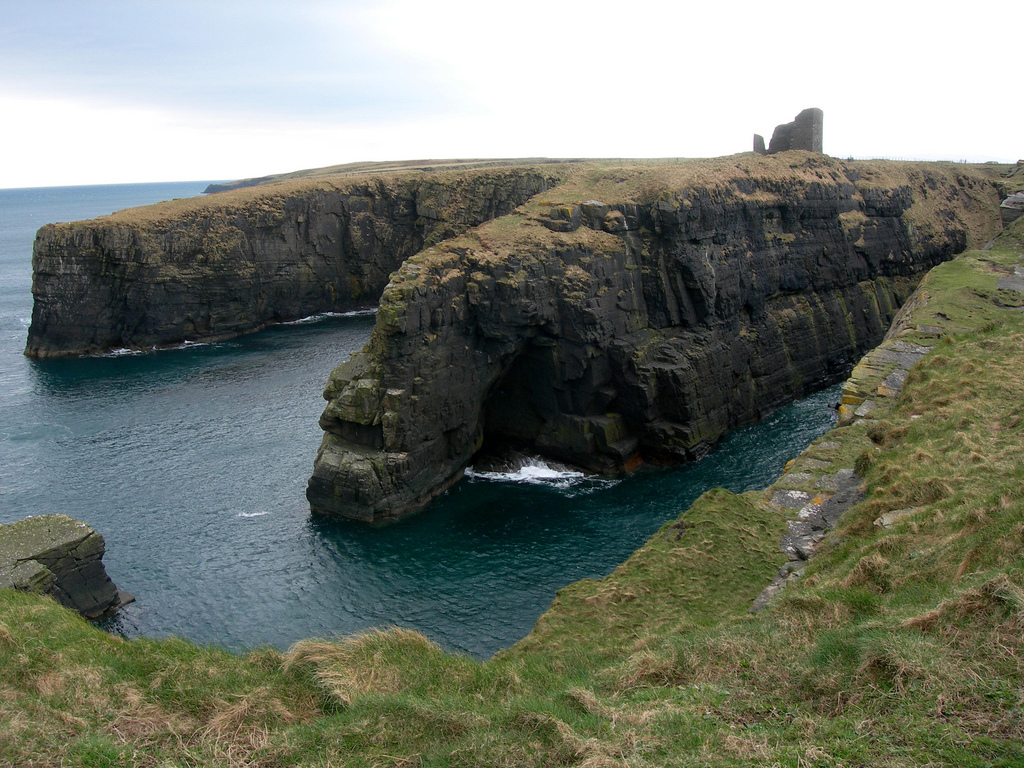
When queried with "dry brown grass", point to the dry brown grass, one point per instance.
{"points": [[339, 669], [374, 662]]}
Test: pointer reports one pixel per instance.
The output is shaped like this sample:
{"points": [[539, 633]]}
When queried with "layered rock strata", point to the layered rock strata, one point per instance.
{"points": [[815, 485], [633, 314], [204, 269], [62, 557]]}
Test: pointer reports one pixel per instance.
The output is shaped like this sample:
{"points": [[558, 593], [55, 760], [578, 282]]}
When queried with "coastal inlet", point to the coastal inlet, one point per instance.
{"points": [[192, 465]]}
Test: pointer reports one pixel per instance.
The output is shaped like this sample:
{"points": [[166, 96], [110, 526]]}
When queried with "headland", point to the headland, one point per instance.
{"points": [[895, 643]]}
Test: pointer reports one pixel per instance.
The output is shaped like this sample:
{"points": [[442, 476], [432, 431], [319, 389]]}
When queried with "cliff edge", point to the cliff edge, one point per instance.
{"points": [[631, 314], [898, 643], [62, 557], [210, 268]]}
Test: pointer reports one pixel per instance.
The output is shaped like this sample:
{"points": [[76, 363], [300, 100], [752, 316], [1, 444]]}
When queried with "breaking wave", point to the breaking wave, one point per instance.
{"points": [[130, 352], [534, 470]]}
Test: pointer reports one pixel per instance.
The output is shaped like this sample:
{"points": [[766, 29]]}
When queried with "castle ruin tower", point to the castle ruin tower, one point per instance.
{"points": [[805, 132]]}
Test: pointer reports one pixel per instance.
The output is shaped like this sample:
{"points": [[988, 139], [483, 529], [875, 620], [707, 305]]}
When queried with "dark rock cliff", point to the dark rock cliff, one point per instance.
{"points": [[216, 267], [62, 557], [633, 314]]}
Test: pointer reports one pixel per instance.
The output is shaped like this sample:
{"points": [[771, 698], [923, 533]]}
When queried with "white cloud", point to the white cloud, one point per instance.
{"points": [[61, 141], [120, 92]]}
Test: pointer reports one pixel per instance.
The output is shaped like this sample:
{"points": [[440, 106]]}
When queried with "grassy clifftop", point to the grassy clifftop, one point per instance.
{"points": [[899, 646], [613, 181], [378, 168]]}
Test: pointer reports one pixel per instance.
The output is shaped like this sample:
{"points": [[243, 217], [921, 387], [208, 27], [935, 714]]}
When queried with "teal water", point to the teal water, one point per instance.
{"points": [[192, 463]]}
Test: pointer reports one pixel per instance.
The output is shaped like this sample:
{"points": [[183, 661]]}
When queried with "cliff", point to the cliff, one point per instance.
{"points": [[210, 268], [898, 643], [633, 314]]}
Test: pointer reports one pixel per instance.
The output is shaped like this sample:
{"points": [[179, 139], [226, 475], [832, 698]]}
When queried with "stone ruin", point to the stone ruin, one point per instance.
{"points": [[802, 133], [1012, 207]]}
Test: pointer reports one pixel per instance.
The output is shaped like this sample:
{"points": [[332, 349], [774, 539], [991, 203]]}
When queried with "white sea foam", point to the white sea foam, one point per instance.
{"points": [[194, 344], [533, 470], [127, 352], [325, 315], [122, 352], [251, 514]]}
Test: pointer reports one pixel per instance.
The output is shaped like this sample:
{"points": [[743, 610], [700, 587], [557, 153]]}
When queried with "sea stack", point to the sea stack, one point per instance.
{"points": [[62, 557]]}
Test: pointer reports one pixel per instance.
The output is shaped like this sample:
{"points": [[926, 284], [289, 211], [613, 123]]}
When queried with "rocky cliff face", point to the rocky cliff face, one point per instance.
{"points": [[62, 557], [633, 314], [216, 267]]}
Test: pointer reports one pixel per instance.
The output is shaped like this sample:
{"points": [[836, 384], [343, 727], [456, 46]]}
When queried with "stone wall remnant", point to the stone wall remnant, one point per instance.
{"points": [[805, 132], [1012, 207]]}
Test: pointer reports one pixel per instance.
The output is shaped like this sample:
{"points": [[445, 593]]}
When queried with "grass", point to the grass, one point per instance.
{"points": [[612, 181], [900, 646]]}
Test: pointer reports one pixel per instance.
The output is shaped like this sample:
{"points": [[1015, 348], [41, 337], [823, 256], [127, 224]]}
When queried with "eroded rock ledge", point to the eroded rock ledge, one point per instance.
{"points": [[209, 268], [62, 557], [633, 314]]}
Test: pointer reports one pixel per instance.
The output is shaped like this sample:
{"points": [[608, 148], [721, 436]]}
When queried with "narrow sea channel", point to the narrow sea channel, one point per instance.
{"points": [[192, 463]]}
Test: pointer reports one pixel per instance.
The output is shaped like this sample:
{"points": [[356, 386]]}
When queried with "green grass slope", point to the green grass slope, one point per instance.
{"points": [[899, 646]]}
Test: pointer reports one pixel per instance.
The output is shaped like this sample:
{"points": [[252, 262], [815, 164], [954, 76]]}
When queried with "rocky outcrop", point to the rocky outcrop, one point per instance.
{"points": [[1012, 207], [59, 556], [203, 269], [817, 516], [633, 314], [815, 485]]}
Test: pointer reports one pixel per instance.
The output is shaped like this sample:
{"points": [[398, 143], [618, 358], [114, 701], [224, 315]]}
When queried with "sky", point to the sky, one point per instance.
{"points": [[101, 91]]}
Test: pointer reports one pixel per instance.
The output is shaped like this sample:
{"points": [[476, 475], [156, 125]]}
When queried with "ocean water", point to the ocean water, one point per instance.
{"points": [[193, 462]]}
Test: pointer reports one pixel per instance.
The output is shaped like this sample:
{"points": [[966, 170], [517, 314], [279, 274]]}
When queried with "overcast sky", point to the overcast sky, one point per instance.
{"points": [[95, 92]]}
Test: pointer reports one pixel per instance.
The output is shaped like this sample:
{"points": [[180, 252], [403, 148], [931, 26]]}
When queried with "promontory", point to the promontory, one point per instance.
{"points": [[601, 313], [634, 314]]}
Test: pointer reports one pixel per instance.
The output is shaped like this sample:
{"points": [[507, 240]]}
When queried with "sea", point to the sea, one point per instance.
{"points": [[192, 463]]}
